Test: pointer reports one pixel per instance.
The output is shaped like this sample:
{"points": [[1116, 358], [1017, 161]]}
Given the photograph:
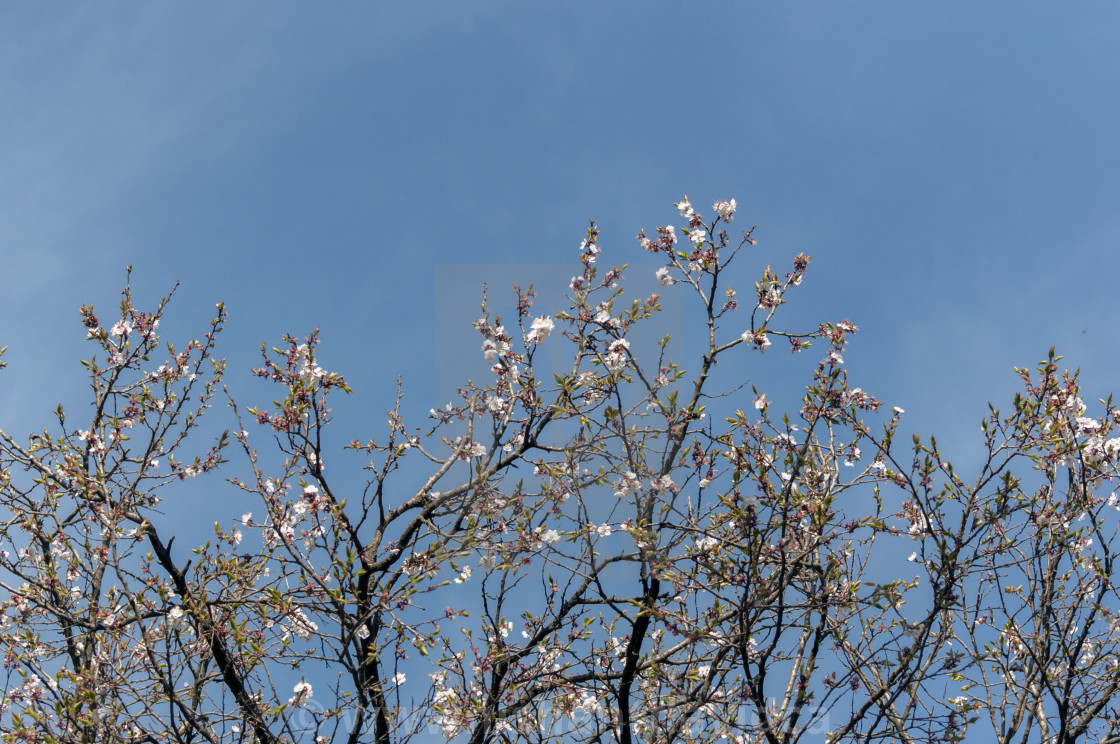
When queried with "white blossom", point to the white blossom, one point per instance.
{"points": [[725, 209], [302, 692], [540, 330], [628, 485], [308, 372], [176, 618], [704, 544], [616, 355]]}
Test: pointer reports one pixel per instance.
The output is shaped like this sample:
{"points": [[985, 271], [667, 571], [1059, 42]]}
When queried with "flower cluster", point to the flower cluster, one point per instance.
{"points": [[540, 330], [1096, 449], [617, 355], [495, 344], [303, 693], [589, 250], [300, 626], [310, 503], [725, 209], [629, 484], [306, 369], [756, 339]]}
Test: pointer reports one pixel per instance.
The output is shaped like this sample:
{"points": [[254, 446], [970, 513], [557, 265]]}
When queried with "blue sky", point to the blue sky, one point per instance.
{"points": [[953, 168]]}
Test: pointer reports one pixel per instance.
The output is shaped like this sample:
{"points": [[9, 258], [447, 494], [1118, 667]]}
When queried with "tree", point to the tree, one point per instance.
{"points": [[754, 594]]}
